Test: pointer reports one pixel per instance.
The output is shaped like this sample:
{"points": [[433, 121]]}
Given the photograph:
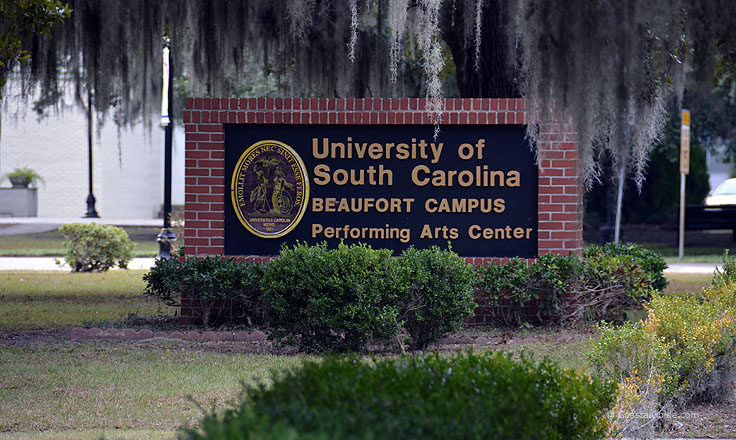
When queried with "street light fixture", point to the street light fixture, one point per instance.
{"points": [[167, 235], [91, 211]]}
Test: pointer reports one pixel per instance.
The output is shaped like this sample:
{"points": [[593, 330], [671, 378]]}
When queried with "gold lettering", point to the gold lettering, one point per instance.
{"points": [[317, 204], [322, 174], [415, 173], [316, 230], [513, 179], [375, 151], [315, 148], [426, 232]]}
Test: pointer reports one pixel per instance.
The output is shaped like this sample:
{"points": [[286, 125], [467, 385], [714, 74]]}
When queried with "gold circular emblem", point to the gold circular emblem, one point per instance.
{"points": [[270, 189]]}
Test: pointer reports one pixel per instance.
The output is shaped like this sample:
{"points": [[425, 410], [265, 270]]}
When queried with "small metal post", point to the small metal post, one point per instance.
{"points": [[681, 247]]}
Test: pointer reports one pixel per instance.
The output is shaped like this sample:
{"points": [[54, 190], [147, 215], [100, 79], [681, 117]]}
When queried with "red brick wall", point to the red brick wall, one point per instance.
{"points": [[560, 195]]}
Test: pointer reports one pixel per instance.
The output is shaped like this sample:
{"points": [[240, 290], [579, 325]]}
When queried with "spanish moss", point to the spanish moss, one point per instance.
{"points": [[607, 67]]}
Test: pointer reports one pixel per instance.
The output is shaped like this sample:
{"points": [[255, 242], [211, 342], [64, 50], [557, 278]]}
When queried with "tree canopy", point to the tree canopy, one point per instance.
{"points": [[606, 66], [20, 20]]}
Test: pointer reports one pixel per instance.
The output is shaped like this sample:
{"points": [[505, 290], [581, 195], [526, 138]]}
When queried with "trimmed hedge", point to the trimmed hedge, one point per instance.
{"points": [[466, 397], [437, 293], [220, 290], [517, 286], [332, 300]]}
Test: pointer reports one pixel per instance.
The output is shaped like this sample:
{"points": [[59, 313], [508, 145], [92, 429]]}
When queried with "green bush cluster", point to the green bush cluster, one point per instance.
{"points": [[607, 281], [354, 294], [332, 300], [726, 273], [538, 285], [438, 289], [465, 397], [328, 300], [649, 262], [91, 247], [220, 290]]}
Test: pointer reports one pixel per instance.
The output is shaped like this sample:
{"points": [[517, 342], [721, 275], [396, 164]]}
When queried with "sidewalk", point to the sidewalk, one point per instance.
{"points": [[49, 263], [62, 221]]}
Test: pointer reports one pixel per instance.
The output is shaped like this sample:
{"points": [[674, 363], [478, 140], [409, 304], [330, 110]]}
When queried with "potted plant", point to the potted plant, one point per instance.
{"points": [[22, 177]]}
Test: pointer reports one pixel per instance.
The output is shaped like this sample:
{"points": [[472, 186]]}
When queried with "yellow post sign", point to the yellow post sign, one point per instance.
{"points": [[684, 170], [685, 143]]}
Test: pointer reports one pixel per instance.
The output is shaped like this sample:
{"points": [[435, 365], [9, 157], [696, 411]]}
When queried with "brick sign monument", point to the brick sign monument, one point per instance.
{"points": [[261, 172]]}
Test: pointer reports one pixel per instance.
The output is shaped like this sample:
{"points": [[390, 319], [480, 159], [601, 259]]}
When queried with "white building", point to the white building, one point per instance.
{"points": [[127, 163]]}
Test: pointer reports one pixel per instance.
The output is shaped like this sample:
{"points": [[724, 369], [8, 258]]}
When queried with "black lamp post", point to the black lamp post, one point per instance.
{"points": [[91, 211], [167, 235]]}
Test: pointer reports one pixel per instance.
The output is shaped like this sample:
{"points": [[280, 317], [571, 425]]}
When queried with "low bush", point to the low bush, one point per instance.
{"points": [[220, 290], [726, 273], [607, 286], [601, 286], [687, 345], [650, 262], [438, 289], [91, 247], [466, 397], [332, 300], [518, 286]]}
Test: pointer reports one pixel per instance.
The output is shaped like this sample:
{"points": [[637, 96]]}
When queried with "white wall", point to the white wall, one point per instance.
{"points": [[128, 181]]}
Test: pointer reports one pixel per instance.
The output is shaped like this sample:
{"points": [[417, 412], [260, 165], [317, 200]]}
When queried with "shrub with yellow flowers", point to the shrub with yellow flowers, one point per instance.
{"points": [[684, 351]]}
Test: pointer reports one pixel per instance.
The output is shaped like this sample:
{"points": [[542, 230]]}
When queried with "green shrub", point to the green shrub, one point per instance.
{"points": [[610, 280], [466, 397], [220, 290], [607, 286], [650, 262], [92, 247], [727, 272], [518, 285], [332, 300], [438, 293]]}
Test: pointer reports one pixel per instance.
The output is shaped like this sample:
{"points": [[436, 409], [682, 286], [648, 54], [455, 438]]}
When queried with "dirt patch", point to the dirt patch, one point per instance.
{"points": [[705, 421]]}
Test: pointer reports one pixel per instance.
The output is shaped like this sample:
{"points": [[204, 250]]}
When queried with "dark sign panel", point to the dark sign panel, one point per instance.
{"points": [[390, 186]]}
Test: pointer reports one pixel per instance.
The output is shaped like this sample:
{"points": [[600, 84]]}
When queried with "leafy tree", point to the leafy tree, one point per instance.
{"points": [[21, 22]]}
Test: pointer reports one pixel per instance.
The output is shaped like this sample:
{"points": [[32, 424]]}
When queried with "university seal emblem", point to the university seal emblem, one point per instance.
{"points": [[270, 189]]}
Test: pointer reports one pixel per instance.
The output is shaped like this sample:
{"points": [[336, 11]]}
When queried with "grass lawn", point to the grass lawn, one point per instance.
{"points": [[44, 300], [691, 254], [50, 243], [141, 390], [93, 386], [93, 434], [685, 282]]}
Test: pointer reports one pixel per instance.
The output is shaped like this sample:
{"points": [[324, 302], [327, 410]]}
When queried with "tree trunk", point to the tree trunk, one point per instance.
{"points": [[493, 76]]}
